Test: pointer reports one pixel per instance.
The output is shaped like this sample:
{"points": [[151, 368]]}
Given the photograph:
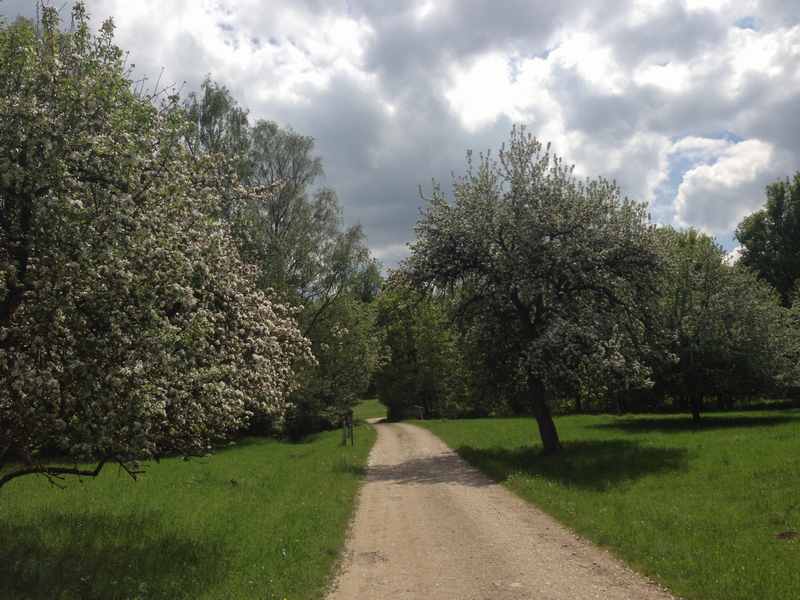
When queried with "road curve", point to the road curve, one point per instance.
{"points": [[430, 527]]}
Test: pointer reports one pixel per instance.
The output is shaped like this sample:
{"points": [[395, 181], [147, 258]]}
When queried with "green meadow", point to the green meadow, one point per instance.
{"points": [[712, 511], [261, 519]]}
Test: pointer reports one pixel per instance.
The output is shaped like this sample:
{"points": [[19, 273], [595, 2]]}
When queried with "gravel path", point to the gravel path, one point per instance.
{"points": [[429, 526]]}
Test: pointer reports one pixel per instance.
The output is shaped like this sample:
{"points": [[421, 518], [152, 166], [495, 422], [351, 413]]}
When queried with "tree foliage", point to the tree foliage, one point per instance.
{"points": [[292, 231], [723, 327], [129, 326], [770, 238], [219, 126], [343, 343], [420, 362], [553, 266]]}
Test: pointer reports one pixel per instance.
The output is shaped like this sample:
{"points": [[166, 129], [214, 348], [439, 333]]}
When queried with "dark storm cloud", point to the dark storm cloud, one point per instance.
{"points": [[672, 32]]}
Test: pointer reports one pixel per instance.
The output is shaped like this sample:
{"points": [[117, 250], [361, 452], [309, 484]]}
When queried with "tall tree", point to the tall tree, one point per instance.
{"points": [[129, 327], [770, 238], [550, 261], [298, 234], [218, 126], [291, 230], [297, 237]]}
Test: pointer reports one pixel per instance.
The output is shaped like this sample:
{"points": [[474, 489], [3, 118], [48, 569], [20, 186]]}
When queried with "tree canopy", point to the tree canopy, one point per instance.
{"points": [[770, 238], [291, 230], [722, 327], [554, 266], [420, 362], [129, 326]]}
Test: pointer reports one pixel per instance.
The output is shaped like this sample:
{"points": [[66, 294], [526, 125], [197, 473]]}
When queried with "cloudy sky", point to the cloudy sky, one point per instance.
{"points": [[691, 105]]}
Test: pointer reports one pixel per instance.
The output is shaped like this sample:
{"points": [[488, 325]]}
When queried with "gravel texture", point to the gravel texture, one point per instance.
{"points": [[429, 526]]}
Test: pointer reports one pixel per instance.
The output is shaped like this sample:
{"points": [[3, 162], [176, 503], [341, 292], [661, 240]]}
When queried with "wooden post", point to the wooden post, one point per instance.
{"points": [[348, 431]]}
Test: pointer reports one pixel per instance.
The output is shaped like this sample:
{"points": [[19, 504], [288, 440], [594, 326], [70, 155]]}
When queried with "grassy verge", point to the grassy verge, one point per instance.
{"points": [[262, 519], [369, 409], [701, 510]]}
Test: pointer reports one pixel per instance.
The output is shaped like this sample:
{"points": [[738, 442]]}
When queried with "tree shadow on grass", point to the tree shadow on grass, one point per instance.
{"points": [[591, 465], [685, 423], [100, 556]]}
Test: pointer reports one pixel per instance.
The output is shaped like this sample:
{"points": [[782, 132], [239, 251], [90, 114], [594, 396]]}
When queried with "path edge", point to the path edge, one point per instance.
{"points": [[332, 581]]}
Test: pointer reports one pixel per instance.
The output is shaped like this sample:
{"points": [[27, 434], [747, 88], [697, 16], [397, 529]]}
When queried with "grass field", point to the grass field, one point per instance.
{"points": [[262, 519], [369, 409], [701, 510]]}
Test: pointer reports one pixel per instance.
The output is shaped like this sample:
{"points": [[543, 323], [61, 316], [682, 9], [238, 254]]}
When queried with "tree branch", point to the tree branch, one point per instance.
{"points": [[54, 472]]}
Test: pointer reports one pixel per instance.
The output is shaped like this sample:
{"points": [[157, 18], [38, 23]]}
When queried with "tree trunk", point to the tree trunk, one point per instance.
{"points": [[697, 405], [578, 405], [547, 428]]}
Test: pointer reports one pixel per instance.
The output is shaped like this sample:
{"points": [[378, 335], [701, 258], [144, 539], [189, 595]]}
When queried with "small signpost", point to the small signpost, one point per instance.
{"points": [[348, 431]]}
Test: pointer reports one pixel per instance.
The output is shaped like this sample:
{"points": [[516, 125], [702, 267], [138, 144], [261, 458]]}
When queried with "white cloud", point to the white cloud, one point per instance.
{"points": [[700, 148], [424, 10], [715, 197], [277, 54], [482, 91], [638, 164], [671, 77], [592, 59], [732, 257], [755, 54]]}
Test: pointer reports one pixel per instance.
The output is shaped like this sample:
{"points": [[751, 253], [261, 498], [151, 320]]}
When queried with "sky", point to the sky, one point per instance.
{"points": [[692, 106]]}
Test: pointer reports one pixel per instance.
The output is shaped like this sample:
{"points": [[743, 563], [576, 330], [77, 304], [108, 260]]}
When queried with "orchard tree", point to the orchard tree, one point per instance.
{"points": [[770, 238], [551, 263], [791, 339], [724, 327], [129, 327]]}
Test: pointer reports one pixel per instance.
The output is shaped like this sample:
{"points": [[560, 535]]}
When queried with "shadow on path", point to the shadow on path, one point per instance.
{"points": [[440, 468], [593, 465]]}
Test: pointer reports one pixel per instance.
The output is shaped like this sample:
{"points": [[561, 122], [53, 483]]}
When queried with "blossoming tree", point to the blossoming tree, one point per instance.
{"points": [[129, 326], [549, 271]]}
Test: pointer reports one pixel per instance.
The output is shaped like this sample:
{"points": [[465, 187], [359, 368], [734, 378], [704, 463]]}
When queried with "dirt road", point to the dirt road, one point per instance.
{"points": [[430, 527]]}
